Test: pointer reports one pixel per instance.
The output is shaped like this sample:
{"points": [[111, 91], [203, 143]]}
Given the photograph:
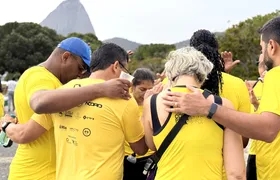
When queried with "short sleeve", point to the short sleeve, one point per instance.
{"points": [[270, 101], [133, 127], [45, 120], [44, 82]]}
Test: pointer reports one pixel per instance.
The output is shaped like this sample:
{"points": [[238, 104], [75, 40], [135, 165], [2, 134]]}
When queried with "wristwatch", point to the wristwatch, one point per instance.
{"points": [[5, 125], [212, 110]]}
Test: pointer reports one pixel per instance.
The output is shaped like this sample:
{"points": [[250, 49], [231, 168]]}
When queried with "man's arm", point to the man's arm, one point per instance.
{"points": [[24, 133], [264, 126], [133, 128], [52, 101]]}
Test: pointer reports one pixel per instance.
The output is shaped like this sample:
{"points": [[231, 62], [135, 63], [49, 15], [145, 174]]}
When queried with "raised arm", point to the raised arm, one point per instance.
{"points": [[52, 101]]}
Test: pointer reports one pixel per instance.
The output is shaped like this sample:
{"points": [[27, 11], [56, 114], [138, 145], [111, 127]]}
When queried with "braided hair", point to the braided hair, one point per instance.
{"points": [[205, 42]]}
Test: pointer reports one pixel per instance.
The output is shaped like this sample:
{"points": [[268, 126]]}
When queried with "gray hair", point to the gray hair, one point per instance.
{"points": [[187, 61]]}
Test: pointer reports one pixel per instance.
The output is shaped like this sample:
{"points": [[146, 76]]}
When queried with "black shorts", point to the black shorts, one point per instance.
{"points": [[134, 171], [251, 172]]}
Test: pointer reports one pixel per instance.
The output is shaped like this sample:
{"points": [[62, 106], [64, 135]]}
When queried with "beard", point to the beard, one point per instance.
{"points": [[268, 61]]}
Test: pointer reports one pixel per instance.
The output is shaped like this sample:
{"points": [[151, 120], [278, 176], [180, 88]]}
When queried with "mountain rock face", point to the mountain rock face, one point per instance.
{"points": [[70, 16], [124, 43]]}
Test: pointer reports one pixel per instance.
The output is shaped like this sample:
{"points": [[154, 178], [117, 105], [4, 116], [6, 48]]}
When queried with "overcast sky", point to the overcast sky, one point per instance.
{"points": [[146, 21]]}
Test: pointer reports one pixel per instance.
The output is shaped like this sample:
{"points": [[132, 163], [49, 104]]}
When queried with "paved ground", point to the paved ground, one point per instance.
{"points": [[6, 155]]}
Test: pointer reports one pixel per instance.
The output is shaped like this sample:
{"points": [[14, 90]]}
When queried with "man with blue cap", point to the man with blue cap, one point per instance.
{"points": [[35, 93]]}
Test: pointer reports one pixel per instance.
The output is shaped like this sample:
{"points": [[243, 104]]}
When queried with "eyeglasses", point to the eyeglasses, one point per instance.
{"points": [[82, 67], [122, 66]]}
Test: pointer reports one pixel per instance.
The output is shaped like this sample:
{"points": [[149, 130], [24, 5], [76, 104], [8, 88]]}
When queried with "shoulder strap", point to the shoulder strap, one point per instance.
{"points": [[153, 107], [169, 138], [217, 99]]}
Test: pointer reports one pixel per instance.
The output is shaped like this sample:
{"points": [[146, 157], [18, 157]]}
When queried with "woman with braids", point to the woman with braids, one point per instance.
{"points": [[230, 87]]}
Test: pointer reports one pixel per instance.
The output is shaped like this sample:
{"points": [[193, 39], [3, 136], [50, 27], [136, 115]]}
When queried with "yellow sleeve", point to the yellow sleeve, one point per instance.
{"points": [[270, 101], [244, 99], [1, 105], [41, 82], [45, 120], [133, 128]]}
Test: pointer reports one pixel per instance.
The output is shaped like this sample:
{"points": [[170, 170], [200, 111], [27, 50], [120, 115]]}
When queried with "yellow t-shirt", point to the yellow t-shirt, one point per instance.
{"points": [[195, 153], [35, 160], [90, 138], [235, 90], [2, 101], [268, 154], [128, 150], [258, 92]]}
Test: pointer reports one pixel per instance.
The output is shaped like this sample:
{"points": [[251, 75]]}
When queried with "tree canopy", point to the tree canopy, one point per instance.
{"points": [[243, 40], [23, 45]]}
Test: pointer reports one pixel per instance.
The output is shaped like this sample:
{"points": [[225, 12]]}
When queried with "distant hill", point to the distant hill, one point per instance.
{"points": [[124, 43], [182, 44], [70, 16], [131, 45]]}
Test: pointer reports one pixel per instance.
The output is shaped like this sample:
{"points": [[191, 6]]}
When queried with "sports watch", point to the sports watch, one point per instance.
{"points": [[5, 125], [212, 110]]}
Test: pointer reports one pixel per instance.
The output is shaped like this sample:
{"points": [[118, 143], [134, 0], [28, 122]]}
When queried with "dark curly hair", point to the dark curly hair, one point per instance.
{"points": [[205, 42]]}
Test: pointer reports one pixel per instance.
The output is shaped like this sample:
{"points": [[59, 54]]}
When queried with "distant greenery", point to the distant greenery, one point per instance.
{"points": [[150, 56], [243, 40], [23, 45]]}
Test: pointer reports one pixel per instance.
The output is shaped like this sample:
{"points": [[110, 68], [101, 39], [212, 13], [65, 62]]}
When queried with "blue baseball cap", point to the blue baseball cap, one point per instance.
{"points": [[78, 47]]}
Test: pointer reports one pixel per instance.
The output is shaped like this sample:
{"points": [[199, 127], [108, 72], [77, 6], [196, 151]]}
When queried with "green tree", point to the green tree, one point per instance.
{"points": [[243, 40], [23, 45], [89, 38], [150, 56], [152, 51]]}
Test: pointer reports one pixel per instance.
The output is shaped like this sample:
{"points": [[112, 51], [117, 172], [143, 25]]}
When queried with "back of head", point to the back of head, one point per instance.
{"points": [[142, 74], [204, 37], [187, 61], [271, 30], [106, 55], [205, 42]]}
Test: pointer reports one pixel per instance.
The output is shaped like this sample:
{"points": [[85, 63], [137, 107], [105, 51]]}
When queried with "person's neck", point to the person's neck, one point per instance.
{"points": [[52, 66], [187, 81], [101, 74]]}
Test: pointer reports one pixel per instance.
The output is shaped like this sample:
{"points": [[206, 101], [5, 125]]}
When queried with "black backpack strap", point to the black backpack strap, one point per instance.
{"points": [[206, 93], [169, 138], [153, 107], [217, 99]]}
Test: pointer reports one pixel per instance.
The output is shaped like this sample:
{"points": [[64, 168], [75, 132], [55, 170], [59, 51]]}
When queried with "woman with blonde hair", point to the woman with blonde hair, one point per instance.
{"points": [[201, 147]]}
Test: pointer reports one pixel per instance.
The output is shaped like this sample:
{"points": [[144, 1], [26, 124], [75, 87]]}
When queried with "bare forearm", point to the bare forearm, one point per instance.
{"points": [[52, 101], [16, 133], [248, 125]]}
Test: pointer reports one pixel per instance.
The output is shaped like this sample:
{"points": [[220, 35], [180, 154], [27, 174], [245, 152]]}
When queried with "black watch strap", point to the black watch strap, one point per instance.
{"points": [[212, 110], [5, 126]]}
